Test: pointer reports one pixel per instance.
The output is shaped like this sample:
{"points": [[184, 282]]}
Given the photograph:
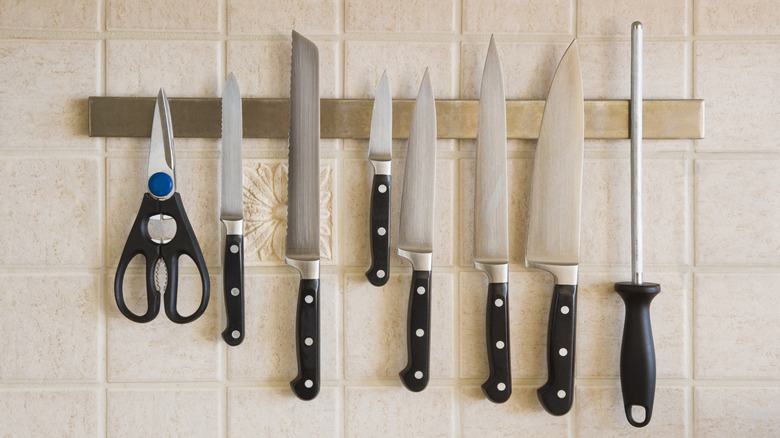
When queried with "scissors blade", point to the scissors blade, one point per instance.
{"points": [[161, 151]]}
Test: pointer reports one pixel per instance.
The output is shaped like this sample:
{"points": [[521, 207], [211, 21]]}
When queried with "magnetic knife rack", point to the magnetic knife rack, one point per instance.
{"points": [[351, 118]]}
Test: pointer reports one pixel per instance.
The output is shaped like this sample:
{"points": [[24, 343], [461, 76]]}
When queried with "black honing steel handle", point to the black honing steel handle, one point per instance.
{"points": [[233, 282], [379, 272], [637, 353], [498, 386], [415, 375], [557, 394], [307, 341]]}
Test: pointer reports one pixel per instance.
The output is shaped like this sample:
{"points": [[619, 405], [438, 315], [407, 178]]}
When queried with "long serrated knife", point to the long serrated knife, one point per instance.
{"points": [[303, 210], [380, 147], [415, 233], [554, 222], [491, 246], [232, 212]]}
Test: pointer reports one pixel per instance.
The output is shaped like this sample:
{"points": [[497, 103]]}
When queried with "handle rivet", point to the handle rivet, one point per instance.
{"points": [[309, 299], [418, 375], [234, 291], [563, 352], [500, 345], [380, 274], [420, 333], [565, 310], [236, 334], [421, 290], [499, 302], [234, 248], [501, 386], [381, 231], [561, 394], [308, 342], [382, 188], [308, 383]]}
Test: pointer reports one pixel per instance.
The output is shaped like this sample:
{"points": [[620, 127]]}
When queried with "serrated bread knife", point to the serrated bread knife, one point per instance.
{"points": [[554, 222]]}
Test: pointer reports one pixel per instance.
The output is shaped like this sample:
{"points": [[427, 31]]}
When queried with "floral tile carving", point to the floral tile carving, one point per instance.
{"points": [[265, 212]]}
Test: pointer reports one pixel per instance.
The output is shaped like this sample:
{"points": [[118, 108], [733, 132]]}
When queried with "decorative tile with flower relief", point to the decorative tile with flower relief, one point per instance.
{"points": [[530, 294], [268, 350], [276, 412], [265, 212], [736, 17], [164, 15], [734, 326], [47, 412], [600, 413], [741, 83], [375, 326], [48, 15], [44, 85], [397, 412], [357, 189], [517, 17], [733, 412], [51, 213], [521, 415], [160, 350], [48, 331], [601, 316], [660, 17], [163, 412], [737, 211], [399, 16], [275, 17]]}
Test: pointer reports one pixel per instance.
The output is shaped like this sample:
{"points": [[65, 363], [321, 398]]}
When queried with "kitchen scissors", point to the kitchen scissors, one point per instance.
{"points": [[161, 203]]}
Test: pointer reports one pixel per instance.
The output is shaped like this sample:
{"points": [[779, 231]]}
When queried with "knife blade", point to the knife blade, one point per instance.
{"points": [[637, 352], [232, 212], [380, 147], [303, 210], [491, 245], [553, 242], [415, 233]]}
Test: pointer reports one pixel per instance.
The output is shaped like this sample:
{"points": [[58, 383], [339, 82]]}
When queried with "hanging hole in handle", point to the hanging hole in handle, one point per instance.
{"points": [[638, 414], [161, 228]]}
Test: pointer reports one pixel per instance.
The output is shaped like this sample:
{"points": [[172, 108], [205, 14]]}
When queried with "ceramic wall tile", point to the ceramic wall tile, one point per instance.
{"points": [[735, 17], [731, 314], [163, 412], [375, 327], [274, 17], [739, 81], [168, 15], [736, 411], [46, 84], [517, 17], [659, 18], [42, 412], [50, 335], [268, 350], [737, 212], [42, 197], [46, 15], [399, 16], [277, 412], [395, 411], [521, 414]]}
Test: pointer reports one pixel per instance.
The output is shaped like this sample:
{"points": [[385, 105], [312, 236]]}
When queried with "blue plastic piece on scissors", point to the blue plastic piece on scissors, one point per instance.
{"points": [[160, 184]]}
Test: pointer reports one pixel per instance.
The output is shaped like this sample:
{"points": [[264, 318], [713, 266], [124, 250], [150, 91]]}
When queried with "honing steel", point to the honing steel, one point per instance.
{"points": [[415, 233], [303, 210], [232, 212], [161, 203], [554, 222], [637, 353], [491, 246], [380, 148]]}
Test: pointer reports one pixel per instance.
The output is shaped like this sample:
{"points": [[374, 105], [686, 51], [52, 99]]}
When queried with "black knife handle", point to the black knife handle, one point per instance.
{"points": [[233, 286], [637, 353], [415, 375], [307, 336], [379, 272], [498, 386], [557, 394]]}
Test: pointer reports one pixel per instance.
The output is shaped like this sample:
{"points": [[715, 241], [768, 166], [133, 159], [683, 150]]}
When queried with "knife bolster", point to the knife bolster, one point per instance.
{"points": [[497, 273], [421, 261], [309, 269], [233, 227], [564, 274], [381, 167]]}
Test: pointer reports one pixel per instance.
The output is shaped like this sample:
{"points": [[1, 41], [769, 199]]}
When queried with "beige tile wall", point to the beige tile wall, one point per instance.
{"points": [[71, 365]]}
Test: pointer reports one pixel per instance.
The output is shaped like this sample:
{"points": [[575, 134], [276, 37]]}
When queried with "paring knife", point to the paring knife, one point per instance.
{"points": [[491, 247], [232, 213], [637, 353], [303, 210], [415, 233], [554, 222], [380, 147]]}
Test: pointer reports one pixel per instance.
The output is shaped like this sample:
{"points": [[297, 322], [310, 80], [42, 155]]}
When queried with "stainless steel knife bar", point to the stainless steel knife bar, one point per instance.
{"points": [[351, 118]]}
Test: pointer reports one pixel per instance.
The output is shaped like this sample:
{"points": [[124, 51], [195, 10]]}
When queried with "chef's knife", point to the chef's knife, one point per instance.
{"points": [[637, 353], [303, 210], [491, 247], [554, 222], [380, 147], [232, 213], [415, 233]]}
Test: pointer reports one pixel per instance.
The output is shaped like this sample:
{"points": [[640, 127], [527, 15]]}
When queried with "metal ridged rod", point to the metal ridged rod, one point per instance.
{"points": [[635, 112]]}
